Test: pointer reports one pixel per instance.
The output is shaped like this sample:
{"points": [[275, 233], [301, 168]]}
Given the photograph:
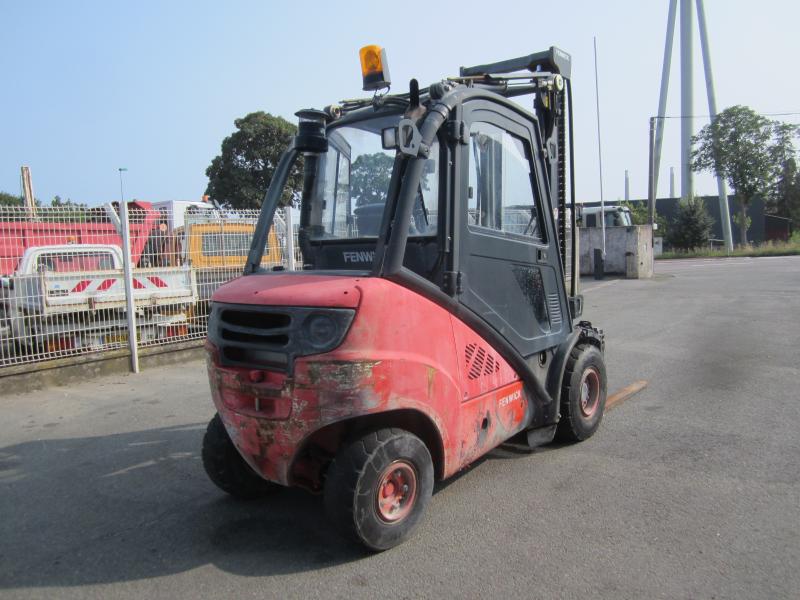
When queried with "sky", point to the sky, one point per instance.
{"points": [[88, 87]]}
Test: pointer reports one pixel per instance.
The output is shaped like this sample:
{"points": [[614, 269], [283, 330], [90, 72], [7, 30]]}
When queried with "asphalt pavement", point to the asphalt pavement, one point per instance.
{"points": [[691, 488]]}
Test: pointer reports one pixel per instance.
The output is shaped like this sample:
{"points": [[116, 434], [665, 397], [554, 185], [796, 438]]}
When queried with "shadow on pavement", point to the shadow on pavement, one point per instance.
{"points": [[138, 505]]}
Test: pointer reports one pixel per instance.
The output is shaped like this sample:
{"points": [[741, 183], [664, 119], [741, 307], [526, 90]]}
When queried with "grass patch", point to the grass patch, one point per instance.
{"points": [[789, 248]]}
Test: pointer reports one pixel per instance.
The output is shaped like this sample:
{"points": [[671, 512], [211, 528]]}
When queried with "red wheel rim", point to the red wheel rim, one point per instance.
{"points": [[590, 391], [397, 491]]}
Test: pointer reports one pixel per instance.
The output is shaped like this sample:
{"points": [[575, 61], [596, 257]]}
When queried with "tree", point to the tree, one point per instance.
{"points": [[692, 225], [7, 199], [369, 178], [784, 197], [240, 175], [57, 202], [736, 147], [68, 210], [640, 215], [784, 200]]}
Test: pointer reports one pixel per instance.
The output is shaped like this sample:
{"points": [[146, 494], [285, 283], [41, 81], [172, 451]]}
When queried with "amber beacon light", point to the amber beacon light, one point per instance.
{"points": [[374, 68]]}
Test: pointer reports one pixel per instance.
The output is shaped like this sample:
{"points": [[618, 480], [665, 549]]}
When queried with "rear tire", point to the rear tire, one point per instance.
{"points": [[227, 469], [583, 395], [377, 488]]}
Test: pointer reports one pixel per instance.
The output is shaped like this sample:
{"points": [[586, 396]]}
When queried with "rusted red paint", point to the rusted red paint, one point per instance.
{"points": [[490, 419], [402, 352]]}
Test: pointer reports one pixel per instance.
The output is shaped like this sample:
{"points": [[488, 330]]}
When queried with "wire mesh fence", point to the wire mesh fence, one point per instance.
{"points": [[63, 288]]}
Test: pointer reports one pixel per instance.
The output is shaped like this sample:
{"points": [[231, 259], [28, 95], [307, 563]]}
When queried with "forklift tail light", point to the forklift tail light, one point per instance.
{"points": [[374, 68]]}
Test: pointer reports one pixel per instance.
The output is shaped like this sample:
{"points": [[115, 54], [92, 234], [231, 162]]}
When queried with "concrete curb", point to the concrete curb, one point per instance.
{"points": [[63, 371]]}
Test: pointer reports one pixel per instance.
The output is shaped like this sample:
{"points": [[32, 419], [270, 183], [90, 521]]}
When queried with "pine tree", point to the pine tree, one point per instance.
{"points": [[692, 225]]}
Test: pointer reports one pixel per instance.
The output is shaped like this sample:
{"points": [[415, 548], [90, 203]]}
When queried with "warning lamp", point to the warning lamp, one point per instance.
{"points": [[374, 68], [311, 131]]}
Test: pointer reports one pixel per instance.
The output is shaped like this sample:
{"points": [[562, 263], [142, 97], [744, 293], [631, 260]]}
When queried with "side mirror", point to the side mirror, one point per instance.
{"points": [[408, 137], [389, 138], [405, 138]]}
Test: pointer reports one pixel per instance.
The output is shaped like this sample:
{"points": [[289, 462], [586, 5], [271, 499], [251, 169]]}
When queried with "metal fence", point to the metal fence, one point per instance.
{"points": [[63, 290]]}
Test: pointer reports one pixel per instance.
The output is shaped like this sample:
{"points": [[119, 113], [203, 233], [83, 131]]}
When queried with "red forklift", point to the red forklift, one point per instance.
{"points": [[436, 315]]}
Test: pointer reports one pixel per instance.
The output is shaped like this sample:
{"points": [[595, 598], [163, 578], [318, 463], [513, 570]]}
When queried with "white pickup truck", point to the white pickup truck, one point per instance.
{"points": [[72, 296]]}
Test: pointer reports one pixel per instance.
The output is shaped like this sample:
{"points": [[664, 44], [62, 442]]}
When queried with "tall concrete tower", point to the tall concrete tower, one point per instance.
{"points": [[687, 100]]}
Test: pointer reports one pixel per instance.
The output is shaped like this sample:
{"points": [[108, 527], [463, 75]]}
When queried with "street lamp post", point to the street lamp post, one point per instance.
{"points": [[130, 305]]}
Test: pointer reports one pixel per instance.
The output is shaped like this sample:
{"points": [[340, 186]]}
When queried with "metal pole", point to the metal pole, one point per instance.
{"points": [[724, 213], [651, 180], [687, 99], [662, 96], [289, 220], [130, 305], [599, 149]]}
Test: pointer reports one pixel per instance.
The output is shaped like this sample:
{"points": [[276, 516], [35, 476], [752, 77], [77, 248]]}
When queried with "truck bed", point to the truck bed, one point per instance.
{"points": [[58, 293]]}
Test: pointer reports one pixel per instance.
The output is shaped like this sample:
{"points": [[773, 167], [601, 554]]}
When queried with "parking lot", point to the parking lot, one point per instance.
{"points": [[689, 490]]}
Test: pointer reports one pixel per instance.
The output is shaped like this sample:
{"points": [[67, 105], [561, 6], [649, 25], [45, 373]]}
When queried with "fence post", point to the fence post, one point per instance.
{"points": [[287, 211], [130, 305]]}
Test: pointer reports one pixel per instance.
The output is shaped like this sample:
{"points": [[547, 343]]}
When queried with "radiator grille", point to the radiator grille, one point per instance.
{"points": [[254, 337], [271, 337]]}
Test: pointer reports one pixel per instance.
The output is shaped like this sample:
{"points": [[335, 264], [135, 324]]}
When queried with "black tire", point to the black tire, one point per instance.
{"points": [[357, 481], [583, 395], [24, 338], [227, 469]]}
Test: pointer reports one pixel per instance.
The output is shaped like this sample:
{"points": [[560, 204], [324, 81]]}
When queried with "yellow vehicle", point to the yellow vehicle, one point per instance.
{"points": [[224, 244], [217, 250]]}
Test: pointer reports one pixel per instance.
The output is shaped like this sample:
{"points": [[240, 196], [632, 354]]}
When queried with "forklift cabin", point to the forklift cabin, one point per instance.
{"points": [[436, 313]]}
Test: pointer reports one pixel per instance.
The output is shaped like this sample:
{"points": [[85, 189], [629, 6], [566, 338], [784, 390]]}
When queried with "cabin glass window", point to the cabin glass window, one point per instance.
{"points": [[74, 262], [351, 182], [502, 194]]}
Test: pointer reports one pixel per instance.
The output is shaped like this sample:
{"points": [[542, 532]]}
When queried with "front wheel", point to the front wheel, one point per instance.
{"points": [[227, 469], [377, 487], [583, 395]]}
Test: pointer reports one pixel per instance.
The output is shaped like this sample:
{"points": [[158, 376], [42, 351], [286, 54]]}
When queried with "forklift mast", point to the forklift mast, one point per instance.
{"points": [[553, 107]]}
